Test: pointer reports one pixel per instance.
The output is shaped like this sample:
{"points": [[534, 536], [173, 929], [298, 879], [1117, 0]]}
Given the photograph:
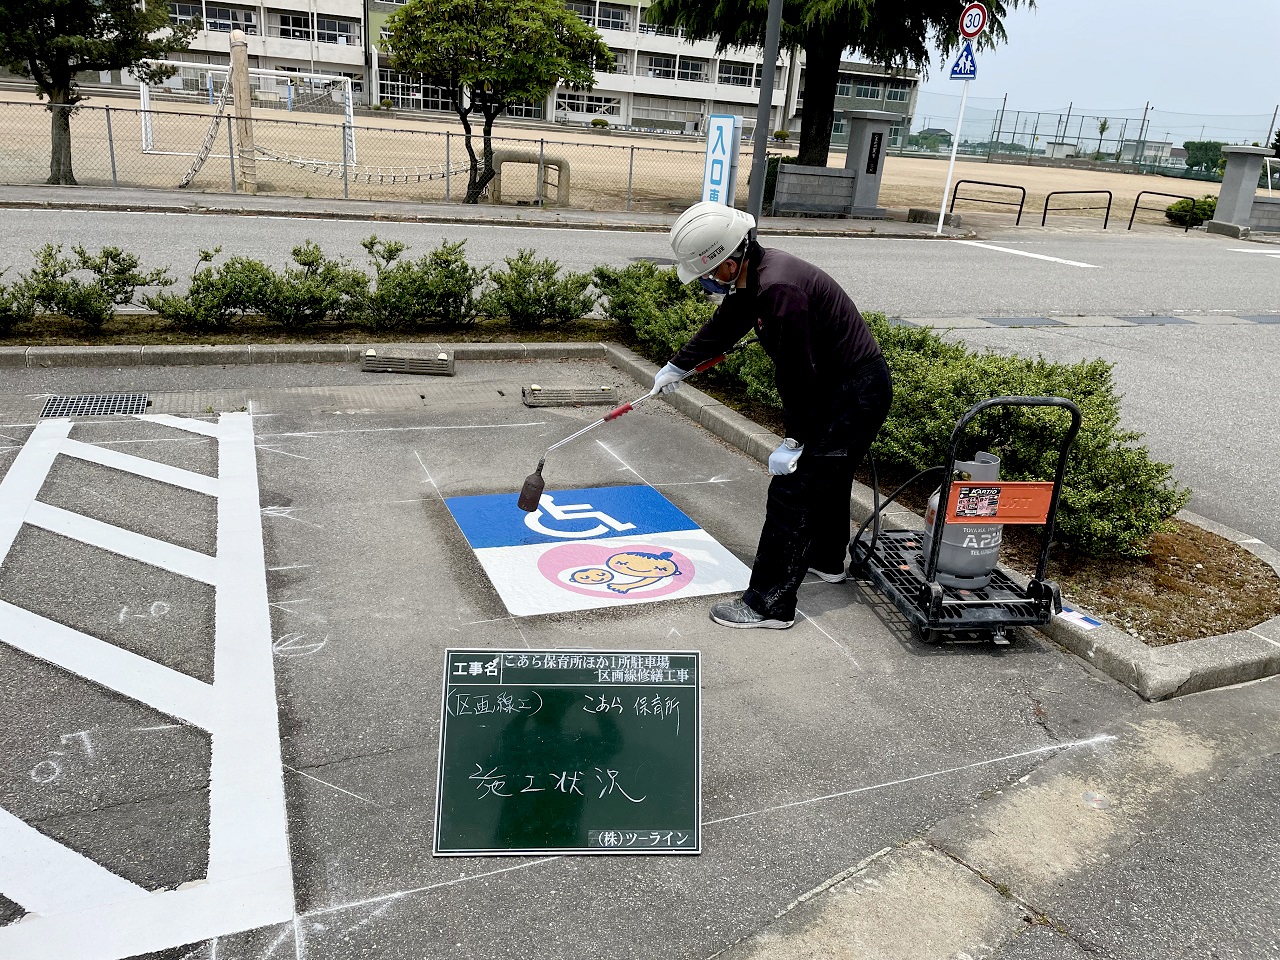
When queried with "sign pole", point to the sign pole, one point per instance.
{"points": [[955, 143]]}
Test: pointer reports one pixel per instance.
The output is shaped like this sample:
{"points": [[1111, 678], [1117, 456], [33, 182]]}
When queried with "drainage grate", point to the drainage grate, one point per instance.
{"points": [[96, 406], [436, 364], [538, 396]]}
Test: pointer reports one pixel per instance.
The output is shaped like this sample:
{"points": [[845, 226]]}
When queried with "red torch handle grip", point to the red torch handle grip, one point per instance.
{"points": [[708, 364], [616, 412]]}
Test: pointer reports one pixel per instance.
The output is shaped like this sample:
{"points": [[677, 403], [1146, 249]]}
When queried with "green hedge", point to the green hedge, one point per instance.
{"points": [[1197, 211], [1115, 497]]}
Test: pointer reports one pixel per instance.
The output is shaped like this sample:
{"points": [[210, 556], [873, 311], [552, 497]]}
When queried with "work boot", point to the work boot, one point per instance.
{"points": [[736, 613], [838, 577]]}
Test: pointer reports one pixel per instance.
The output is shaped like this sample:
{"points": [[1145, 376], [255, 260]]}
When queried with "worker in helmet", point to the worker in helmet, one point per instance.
{"points": [[835, 390]]}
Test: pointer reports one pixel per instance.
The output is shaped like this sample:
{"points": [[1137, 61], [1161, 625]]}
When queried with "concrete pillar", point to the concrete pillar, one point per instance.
{"points": [[868, 147], [1239, 183], [246, 162]]}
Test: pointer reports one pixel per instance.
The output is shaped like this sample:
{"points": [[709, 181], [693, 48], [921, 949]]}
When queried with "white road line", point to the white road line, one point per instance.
{"points": [[26, 476], [141, 466], [189, 424], [138, 678], [45, 877], [1024, 253], [158, 553]]}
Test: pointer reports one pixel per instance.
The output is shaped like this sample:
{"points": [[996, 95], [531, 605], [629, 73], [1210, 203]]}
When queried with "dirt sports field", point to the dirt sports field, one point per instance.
{"points": [[411, 157]]}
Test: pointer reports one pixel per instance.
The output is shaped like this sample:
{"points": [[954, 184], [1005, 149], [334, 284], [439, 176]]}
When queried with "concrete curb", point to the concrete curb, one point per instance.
{"points": [[1154, 673]]}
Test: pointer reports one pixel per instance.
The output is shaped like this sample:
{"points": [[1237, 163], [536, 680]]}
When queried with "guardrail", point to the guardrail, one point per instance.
{"points": [[1157, 193], [984, 183], [1106, 217]]}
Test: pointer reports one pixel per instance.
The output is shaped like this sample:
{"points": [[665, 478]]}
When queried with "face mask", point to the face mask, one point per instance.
{"points": [[716, 287]]}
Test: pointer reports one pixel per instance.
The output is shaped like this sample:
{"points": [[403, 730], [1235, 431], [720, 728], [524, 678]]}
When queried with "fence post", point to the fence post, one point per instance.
{"points": [[231, 155], [111, 150], [345, 194], [542, 170], [448, 168], [631, 172]]}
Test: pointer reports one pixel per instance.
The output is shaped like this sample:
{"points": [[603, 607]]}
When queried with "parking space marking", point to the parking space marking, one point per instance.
{"points": [[75, 909], [1026, 253]]}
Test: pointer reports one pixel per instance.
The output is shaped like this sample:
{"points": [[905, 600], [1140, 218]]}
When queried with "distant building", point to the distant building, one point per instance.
{"points": [[1145, 151], [1061, 150]]}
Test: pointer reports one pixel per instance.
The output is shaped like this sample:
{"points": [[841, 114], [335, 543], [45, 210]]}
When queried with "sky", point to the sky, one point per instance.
{"points": [[1111, 56]]}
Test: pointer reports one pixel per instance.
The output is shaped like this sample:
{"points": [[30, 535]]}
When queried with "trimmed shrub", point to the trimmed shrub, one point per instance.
{"points": [[782, 135], [533, 293], [1197, 211], [439, 288], [316, 290], [15, 306], [599, 122], [216, 297], [52, 288]]}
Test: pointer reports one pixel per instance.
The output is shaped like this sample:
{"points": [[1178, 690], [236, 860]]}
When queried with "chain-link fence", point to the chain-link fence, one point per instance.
{"points": [[164, 148], [1139, 138]]}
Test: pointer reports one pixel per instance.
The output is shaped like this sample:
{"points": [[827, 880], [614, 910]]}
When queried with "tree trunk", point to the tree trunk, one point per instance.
{"points": [[60, 107], [821, 72], [486, 172], [473, 178]]}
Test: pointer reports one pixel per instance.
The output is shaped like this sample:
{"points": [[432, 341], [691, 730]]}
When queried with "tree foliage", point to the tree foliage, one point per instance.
{"points": [[491, 56], [1203, 154], [897, 34], [53, 40]]}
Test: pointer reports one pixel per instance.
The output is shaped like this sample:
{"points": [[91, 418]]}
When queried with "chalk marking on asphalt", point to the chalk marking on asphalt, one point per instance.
{"points": [[284, 453], [333, 786], [286, 513], [106, 536], [275, 944], [691, 483], [1025, 253], [111, 666], [292, 566], [141, 466], [430, 479], [839, 646], [1101, 738], [369, 919], [434, 886], [299, 952], [45, 877], [163, 726], [1274, 643], [624, 463], [474, 426]]}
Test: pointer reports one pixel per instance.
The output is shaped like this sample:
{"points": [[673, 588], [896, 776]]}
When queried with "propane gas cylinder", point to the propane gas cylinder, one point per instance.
{"points": [[969, 551]]}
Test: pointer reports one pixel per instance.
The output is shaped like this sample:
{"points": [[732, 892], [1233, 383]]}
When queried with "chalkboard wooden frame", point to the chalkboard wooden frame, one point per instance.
{"points": [[569, 752]]}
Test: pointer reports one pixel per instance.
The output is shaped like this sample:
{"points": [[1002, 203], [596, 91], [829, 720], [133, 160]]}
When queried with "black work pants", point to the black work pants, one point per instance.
{"points": [[806, 521]]}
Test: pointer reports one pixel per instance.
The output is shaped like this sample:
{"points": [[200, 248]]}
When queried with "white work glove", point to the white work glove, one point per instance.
{"points": [[667, 379], [785, 459]]}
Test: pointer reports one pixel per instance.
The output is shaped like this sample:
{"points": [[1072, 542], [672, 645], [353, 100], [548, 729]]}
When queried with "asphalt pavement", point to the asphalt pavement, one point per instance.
{"points": [[863, 795]]}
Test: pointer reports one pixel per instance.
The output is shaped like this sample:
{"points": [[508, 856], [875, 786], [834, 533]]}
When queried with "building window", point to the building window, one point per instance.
{"points": [[585, 11], [407, 92], [898, 92], [588, 103], [665, 108], [220, 19], [653, 30], [895, 135], [621, 62], [613, 17], [840, 128], [343, 32], [526, 110], [736, 73], [867, 90], [692, 69], [659, 66], [844, 85], [294, 26]]}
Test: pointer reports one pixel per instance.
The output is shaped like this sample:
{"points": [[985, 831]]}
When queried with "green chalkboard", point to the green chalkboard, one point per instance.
{"points": [[554, 751]]}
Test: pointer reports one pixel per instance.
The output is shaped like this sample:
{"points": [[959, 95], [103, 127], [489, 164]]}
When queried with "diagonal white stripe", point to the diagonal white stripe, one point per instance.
{"points": [[20, 485], [158, 553], [1025, 253], [141, 466], [138, 678], [44, 877], [189, 424]]}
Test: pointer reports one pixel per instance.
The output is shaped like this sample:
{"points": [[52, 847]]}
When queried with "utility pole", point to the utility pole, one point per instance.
{"points": [[759, 159]]}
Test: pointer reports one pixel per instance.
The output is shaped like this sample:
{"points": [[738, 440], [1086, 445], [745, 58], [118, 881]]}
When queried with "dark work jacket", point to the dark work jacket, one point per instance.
{"points": [[807, 325]]}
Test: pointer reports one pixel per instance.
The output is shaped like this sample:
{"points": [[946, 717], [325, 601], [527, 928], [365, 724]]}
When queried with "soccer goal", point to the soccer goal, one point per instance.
{"points": [[274, 94]]}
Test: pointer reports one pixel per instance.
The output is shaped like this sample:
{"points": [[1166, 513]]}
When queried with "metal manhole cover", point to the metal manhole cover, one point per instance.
{"points": [[95, 406]]}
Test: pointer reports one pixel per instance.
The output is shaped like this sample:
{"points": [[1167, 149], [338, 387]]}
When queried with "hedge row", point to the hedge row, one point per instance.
{"points": [[440, 289], [1115, 497]]}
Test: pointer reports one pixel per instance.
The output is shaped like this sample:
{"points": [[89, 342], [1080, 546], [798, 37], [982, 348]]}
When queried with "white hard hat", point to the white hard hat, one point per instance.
{"points": [[705, 236]]}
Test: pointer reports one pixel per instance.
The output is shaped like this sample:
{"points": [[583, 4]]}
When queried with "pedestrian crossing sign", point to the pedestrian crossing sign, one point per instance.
{"points": [[965, 67]]}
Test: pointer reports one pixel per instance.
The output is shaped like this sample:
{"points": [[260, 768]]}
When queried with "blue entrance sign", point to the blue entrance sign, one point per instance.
{"points": [[965, 67], [593, 548], [720, 174]]}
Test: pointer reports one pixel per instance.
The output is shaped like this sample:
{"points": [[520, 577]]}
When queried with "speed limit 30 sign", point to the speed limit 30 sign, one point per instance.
{"points": [[973, 20]]}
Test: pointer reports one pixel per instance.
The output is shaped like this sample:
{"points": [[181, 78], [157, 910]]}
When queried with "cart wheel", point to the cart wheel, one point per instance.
{"points": [[927, 635]]}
